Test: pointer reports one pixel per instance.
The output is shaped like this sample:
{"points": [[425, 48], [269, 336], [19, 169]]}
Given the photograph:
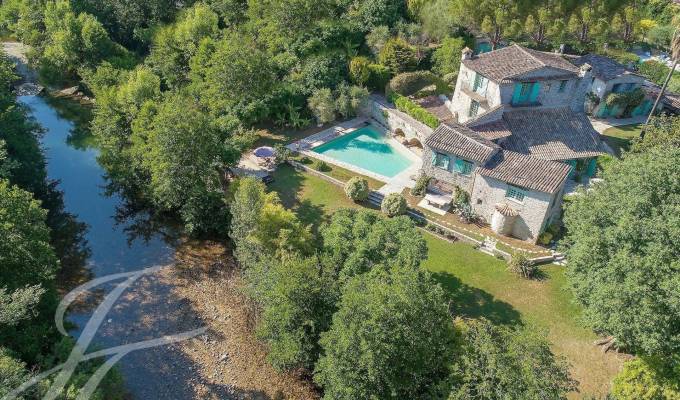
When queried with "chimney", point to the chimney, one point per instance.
{"points": [[584, 86], [467, 54]]}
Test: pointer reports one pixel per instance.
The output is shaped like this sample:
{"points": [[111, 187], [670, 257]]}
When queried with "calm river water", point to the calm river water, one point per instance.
{"points": [[146, 311]]}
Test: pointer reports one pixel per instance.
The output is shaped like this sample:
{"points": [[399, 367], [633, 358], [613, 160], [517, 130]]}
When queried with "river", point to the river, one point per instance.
{"points": [[147, 310]]}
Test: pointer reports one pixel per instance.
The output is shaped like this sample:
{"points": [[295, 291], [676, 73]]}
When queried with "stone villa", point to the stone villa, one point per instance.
{"points": [[521, 134]]}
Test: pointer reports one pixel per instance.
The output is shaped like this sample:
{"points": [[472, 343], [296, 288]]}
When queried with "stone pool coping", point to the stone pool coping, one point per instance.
{"points": [[403, 179]]}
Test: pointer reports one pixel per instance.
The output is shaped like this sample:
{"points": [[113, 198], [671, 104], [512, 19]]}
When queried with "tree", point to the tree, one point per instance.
{"points": [[501, 363], [174, 45], [12, 372], [350, 99], [438, 19], [357, 189], [187, 158], [322, 71], [394, 205], [322, 105], [398, 56], [391, 337], [359, 70], [623, 250], [233, 78], [358, 241], [377, 38], [663, 131], [295, 311], [25, 252], [446, 58], [648, 378], [373, 13]]}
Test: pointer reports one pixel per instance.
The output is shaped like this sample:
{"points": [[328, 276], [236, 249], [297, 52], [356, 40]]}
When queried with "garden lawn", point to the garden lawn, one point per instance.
{"points": [[479, 285], [621, 137]]}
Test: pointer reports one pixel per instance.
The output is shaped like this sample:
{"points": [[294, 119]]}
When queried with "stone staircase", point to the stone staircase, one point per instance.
{"points": [[375, 198]]}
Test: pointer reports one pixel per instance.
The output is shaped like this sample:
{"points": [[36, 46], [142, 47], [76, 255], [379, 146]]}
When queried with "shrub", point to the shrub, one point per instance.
{"points": [[421, 186], [409, 83], [522, 266], [322, 166], [545, 238], [357, 189], [322, 105], [622, 56], [283, 153], [414, 142], [398, 56], [467, 215], [654, 71], [648, 378], [393, 205], [407, 106], [627, 101], [446, 58], [378, 77], [360, 70], [399, 132], [460, 198]]}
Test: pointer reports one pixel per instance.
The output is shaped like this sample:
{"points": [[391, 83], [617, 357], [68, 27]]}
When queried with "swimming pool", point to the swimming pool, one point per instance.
{"points": [[366, 148]]}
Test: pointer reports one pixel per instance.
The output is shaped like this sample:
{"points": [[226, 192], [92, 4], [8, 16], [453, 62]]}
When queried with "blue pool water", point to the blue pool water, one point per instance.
{"points": [[366, 148]]}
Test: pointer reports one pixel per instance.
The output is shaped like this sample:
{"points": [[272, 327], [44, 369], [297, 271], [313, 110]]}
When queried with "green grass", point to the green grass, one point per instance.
{"points": [[621, 137], [479, 285]]}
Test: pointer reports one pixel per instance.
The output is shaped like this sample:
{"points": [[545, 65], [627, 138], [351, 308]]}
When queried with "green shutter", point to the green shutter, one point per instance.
{"points": [[535, 90], [517, 94], [434, 158]]}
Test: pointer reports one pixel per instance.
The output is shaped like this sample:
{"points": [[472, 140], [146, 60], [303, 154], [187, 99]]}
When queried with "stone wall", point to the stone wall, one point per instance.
{"points": [[392, 119], [453, 178], [460, 102], [533, 211]]}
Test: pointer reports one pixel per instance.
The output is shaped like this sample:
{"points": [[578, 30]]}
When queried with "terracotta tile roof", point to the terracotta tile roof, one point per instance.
{"points": [[510, 62], [492, 130], [461, 141], [670, 99], [552, 134], [603, 67], [528, 172]]}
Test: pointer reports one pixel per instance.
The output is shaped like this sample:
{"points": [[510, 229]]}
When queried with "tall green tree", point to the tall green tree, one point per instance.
{"points": [[296, 310], [623, 246], [501, 363], [358, 241], [392, 337]]}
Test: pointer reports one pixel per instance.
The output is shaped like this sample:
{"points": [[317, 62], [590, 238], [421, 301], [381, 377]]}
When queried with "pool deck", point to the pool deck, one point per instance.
{"points": [[395, 184]]}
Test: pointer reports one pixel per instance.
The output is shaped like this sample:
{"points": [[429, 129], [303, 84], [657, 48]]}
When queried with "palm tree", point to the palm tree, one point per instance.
{"points": [[675, 54]]}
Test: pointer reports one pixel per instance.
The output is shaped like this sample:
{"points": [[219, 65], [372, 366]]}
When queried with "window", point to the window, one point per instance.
{"points": [[441, 161], [464, 167], [479, 86], [474, 108], [526, 93], [618, 88], [526, 88], [515, 193], [563, 86]]}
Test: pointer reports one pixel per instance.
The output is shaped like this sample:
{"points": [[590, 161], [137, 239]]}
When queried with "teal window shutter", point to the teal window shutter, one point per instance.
{"points": [[434, 158], [535, 90], [517, 94]]}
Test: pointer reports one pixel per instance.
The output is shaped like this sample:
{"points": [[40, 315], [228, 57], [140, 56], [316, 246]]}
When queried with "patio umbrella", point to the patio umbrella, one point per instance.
{"points": [[264, 152]]}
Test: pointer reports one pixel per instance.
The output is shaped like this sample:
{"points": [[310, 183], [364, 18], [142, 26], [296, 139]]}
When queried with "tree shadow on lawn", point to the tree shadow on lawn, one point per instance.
{"points": [[470, 302]]}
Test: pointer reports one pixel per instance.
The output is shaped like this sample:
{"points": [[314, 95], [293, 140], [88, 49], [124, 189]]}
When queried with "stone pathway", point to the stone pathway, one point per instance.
{"points": [[602, 125]]}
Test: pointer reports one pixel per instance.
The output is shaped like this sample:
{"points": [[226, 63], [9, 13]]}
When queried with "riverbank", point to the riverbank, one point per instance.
{"points": [[231, 361]]}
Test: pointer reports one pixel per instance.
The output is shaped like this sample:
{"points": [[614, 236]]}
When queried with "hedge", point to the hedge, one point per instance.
{"points": [[409, 83], [404, 104]]}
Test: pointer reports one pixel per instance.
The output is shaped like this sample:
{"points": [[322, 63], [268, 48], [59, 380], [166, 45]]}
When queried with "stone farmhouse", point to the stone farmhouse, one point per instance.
{"points": [[609, 77], [518, 135]]}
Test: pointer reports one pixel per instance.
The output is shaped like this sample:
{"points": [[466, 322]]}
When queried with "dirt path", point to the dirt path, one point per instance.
{"points": [[232, 362]]}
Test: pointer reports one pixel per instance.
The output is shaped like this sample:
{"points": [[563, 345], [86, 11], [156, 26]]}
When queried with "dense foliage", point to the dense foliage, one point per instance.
{"points": [[357, 189], [392, 337], [501, 363], [648, 378], [623, 247]]}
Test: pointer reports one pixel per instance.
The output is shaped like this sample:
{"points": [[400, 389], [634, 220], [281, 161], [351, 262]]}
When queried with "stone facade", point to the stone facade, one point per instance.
{"points": [[533, 211], [392, 119], [448, 176]]}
